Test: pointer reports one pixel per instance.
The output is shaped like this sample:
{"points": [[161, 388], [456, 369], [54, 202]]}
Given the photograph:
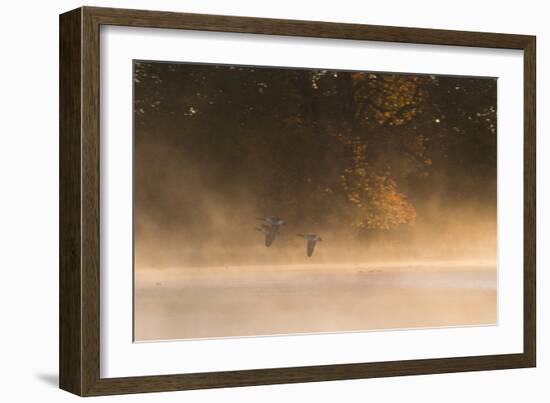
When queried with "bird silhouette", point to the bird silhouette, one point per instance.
{"points": [[312, 240], [270, 228]]}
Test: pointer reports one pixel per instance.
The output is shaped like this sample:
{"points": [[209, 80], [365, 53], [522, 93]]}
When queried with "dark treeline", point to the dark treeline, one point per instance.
{"points": [[365, 151]]}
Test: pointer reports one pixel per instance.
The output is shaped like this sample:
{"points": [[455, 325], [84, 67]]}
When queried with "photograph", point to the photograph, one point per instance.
{"points": [[282, 200]]}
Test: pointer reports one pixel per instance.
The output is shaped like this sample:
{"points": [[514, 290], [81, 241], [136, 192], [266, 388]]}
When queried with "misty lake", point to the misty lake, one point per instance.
{"points": [[229, 301]]}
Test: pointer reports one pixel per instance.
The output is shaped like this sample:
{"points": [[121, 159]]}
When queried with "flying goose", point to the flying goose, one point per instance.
{"points": [[312, 240], [270, 227]]}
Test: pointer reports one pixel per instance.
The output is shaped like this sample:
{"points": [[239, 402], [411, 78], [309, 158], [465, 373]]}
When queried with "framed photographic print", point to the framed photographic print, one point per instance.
{"points": [[249, 201]]}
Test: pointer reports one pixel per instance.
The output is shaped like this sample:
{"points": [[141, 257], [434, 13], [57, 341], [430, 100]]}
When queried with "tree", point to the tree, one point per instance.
{"points": [[316, 146]]}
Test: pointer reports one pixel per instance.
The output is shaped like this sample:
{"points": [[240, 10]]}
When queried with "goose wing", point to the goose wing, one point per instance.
{"points": [[270, 236], [310, 247]]}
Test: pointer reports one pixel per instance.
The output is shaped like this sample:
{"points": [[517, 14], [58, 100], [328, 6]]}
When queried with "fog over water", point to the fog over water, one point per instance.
{"points": [[270, 300], [220, 280]]}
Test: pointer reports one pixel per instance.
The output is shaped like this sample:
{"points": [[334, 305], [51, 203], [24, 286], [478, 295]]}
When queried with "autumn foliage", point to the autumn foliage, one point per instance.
{"points": [[320, 145]]}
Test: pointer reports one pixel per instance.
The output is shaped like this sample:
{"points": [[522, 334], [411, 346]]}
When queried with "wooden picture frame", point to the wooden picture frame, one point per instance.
{"points": [[79, 348]]}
